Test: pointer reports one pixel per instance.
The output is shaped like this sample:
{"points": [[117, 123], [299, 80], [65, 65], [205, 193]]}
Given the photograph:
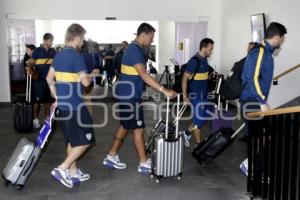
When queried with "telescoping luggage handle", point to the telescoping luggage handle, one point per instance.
{"points": [[176, 121], [237, 131], [28, 88]]}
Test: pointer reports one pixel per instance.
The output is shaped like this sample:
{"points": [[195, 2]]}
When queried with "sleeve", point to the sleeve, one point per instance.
{"points": [[254, 69], [191, 66], [34, 54], [138, 57], [80, 65]]}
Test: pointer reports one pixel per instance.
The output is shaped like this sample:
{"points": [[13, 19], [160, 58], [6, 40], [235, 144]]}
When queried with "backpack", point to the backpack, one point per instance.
{"points": [[178, 87], [232, 87]]}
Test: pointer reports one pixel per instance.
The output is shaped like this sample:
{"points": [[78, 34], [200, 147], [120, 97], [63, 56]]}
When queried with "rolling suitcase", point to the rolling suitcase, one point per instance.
{"points": [[160, 127], [214, 144], [23, 113], [25, 157], [167, 150]]}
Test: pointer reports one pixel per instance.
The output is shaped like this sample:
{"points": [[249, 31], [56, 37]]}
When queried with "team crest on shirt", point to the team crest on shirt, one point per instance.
{"points": [[139, 123], [88, 136]]}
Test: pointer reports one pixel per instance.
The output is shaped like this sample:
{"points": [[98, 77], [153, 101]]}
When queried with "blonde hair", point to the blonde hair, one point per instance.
{"points": [[73, 31]]}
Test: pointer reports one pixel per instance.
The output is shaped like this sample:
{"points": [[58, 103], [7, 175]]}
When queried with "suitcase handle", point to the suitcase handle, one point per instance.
{"points": [[238, 131], [28, 88], [176, 121]]}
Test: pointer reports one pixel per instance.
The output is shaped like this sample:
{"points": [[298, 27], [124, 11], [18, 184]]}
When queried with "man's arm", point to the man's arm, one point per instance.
{"points": [[51, 82], [184, 84], [152, 82], [86, 79]]}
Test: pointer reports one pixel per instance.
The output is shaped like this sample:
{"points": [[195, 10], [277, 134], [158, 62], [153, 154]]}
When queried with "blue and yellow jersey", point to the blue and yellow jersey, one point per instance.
{"points": [[43, 60], [258, 74], [130, 86], [198, 67], [67, 65]]}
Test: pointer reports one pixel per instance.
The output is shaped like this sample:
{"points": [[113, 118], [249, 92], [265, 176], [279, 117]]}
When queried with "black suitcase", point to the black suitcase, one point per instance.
{"points": [[23, 113], [214, 144]]}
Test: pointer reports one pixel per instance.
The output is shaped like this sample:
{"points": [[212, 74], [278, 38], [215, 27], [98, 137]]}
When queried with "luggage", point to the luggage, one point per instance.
{"points": [[215, 144], [222, 117], [160, 127], [23, 113], [25, 157], [167, 150]]}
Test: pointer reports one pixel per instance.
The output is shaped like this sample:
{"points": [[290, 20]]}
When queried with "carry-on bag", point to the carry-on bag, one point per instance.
{"points": [[167, 150], [23, 114], [25, 157], [214, 144]]}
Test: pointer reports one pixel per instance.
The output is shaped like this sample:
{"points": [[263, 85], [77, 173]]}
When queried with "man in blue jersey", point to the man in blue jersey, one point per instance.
{"points": [[66, 78], [196, 72], [129, 91], [38, 65], [258, 71]]}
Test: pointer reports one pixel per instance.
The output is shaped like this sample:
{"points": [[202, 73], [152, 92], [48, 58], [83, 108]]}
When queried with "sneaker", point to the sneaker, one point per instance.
{"points": [[244, 167], [80, 177], [187, 136], [62, 176], [113, 162], [36, 124], [145, 167]]}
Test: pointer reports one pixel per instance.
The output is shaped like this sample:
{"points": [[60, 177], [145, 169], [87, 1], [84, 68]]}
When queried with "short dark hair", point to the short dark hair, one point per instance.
{"points": [[73, 31], [48, 36], [205, 42], [145, 28], [30, 46], [275, 29]]}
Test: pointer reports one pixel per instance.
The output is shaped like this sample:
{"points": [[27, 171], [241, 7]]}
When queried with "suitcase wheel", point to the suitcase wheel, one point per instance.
{"points": [[151, 176], [19, 187], [6, 182], [179, 178], [157, 180]]}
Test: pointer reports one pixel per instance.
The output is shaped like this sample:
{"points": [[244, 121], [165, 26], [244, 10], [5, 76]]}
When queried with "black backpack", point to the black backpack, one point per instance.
{"points": [[178, 88], [232, 87]]}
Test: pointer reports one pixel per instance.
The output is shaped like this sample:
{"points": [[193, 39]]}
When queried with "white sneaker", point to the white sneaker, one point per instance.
{"points": [[62, 176], [145, 167], [80, 176], [36, 123], [113, 162], [187, 136]]}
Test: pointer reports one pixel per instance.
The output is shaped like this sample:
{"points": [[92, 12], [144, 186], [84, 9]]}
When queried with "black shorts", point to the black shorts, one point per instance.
{"points": [[131, 115], [78, 128], [42, 92]]}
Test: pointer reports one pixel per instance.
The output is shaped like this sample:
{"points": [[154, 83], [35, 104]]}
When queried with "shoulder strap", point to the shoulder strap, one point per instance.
{"points": [[195, 57]]}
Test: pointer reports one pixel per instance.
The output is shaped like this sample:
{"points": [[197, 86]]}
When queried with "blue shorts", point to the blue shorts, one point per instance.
{"points": [[75, 128], [42, 92], [131, 115], [200, 114]]}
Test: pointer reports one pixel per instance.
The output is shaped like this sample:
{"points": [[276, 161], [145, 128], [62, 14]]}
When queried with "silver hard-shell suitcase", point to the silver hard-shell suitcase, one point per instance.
{"points": [[25, 157], [167, 150]]}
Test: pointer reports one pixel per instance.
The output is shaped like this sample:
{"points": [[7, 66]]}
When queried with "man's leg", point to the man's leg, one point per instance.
{"points": [[197, 135], [138, 139], [46, 109], [73, 155], [112, 159], [120, 135]]}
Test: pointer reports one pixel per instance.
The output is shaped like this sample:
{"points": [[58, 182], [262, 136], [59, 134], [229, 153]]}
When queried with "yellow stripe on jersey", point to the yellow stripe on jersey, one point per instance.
{"points": [[256, 74], [201, 76], [129, 70], [42, 61], [67, 77]]}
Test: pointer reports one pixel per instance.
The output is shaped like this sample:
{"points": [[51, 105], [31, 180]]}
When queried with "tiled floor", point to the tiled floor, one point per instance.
{"points": [[220, 180]]}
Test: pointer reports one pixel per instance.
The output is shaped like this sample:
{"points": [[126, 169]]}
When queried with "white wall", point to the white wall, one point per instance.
{"points": [[4, 76], [236, 33], [166, 44], [168, 10]]}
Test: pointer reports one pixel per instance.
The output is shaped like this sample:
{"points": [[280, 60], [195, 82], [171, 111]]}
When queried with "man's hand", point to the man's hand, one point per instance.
{"points": [[96, 71], [169, 93], [186, 100], [265, 107]]}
